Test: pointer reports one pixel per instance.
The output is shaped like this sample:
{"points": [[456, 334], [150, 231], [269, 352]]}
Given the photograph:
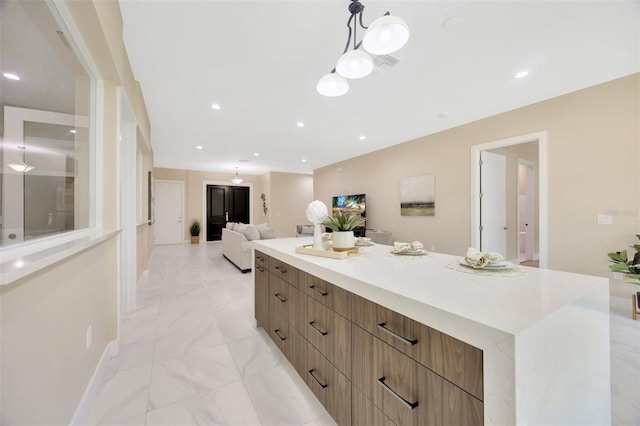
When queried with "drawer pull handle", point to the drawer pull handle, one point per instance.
{"points": [[277, 296], [382, 326], [261, 259], [322, 385], [282, 271], [411, 405], [321, 293], [277, 331], [313, 325], [260, 268]]}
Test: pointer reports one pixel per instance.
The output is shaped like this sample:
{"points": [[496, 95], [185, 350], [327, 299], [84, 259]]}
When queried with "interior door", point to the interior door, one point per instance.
{"points": [[493, 203], [225, 204], [169, 202]]}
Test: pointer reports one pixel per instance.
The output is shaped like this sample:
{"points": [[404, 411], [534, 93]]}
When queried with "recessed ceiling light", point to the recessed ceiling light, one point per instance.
{"points": [[304, 160], [11, 76], [216, 107], [521, 74], [363, 137], [255, 154], [443, 115], [198, 146], [72, 131], [300, 124]]}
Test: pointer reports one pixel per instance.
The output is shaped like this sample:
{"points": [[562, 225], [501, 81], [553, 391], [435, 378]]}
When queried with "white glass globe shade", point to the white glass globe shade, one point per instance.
{"points": [[317, 212], [385, 35], [355, 64], [332, 85]]}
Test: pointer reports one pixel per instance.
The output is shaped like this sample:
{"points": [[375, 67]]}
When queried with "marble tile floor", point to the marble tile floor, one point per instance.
{"points": [[191, 356]]}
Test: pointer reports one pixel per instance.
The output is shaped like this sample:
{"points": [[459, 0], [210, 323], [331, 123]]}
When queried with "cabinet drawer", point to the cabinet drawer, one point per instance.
{"points": [[278, 330], [364, 412], [405, 391], [451, 358], [261, 259], [329, 333], [284, 271], [326, 293], [261, 296], [331, 387]]}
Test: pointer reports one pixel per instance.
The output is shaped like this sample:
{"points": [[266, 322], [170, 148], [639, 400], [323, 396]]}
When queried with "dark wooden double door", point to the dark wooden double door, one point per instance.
{"points": [[225, 204]]}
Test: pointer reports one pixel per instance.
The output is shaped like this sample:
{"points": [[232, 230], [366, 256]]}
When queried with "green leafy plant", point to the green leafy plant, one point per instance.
{"points": [[343, 222], [194, 229], [622, 264]]}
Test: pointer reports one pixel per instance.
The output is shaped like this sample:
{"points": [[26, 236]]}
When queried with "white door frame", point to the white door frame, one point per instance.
{"points": [[541, 138], [127, 209], [224, 183], [182, 205]]}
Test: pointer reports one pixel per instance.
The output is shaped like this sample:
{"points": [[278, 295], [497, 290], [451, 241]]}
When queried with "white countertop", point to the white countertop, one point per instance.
{"points": [[506, 304]]}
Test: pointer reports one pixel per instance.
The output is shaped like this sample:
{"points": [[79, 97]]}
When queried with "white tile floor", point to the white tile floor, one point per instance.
{"points": [[191, 356]]}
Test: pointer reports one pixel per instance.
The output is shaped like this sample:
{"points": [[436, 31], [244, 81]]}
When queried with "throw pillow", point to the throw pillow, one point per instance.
{"points": [[266, 233], [307, 229], [249, 231], [229, 226]]}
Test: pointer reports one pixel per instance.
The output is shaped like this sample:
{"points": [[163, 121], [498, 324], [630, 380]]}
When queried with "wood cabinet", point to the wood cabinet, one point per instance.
{"points": [[367, 364], [261, 283]]}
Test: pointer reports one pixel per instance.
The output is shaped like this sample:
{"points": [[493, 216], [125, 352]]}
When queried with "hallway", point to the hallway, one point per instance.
{"points": [[191, 355]]}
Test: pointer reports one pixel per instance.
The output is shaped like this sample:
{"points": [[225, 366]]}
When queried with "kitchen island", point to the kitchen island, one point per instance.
{"points": [[541, 338]]}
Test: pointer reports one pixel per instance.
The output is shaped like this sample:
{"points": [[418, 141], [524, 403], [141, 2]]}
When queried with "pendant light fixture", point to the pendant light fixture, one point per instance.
{"points": [[237, 180], [21, 167], [385, 35]]}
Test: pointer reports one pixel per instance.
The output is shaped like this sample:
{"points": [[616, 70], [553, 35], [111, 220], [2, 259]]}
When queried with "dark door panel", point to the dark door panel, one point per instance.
{"points": [[225, 204]]}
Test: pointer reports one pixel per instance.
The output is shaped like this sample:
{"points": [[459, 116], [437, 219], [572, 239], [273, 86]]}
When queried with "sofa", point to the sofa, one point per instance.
{"points": [[237, 242]]}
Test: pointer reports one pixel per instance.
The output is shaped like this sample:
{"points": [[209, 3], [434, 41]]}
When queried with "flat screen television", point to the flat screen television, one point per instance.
{"points": [[354, 204]]}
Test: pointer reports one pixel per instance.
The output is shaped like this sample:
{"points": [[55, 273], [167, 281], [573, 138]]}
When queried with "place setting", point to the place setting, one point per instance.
{"points": [[414, 248], [486, 263]]}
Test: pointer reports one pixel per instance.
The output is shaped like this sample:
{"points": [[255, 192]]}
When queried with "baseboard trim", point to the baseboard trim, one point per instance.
{"points": [[80, 415]]}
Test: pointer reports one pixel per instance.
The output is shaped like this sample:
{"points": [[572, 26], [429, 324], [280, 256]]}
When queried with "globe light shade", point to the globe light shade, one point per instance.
{"points": [[332, 85], [355, 64], [21, 167], [385, 35]]}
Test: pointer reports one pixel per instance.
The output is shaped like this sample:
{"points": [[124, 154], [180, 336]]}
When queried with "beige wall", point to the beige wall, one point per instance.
{"points": [[44, 316], [287, 196], [593, 151], [290, 195]]}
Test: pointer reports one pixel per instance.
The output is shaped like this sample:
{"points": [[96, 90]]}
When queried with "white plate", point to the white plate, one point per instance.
{"points": [[369, 244], [420, 252], [498, 265]]}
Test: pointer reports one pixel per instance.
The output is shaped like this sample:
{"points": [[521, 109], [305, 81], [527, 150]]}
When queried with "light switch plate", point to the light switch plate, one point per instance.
{"points": [[605, 219], [618, 276]]}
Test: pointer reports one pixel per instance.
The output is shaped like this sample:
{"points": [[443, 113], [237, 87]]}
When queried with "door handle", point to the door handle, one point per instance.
{"points": [[505, 228], [226, 216], [179, 219]]}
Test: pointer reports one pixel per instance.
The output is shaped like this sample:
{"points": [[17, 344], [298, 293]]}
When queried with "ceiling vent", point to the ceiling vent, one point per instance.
{"points": [[383, 63]]}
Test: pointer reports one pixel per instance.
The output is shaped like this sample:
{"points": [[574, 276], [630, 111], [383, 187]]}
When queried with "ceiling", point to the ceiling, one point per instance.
{"points": [[261, 60]]}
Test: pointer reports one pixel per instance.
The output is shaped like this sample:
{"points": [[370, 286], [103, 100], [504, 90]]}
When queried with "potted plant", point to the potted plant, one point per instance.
{"points": [[342, 225], [194, 229], [630, 269]]}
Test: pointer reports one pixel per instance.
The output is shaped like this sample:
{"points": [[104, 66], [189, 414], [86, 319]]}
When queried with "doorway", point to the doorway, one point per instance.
{"points": [[526, 211], [493, 203], [511, 146], [225, 204], [169, 211]]}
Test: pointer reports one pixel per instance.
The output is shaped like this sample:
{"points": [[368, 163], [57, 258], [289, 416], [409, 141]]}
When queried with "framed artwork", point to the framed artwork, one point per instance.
{"points": [[417, 196], [151, 199]]}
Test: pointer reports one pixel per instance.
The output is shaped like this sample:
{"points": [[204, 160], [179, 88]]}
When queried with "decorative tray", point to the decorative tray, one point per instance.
{"points": [[308, 249]]}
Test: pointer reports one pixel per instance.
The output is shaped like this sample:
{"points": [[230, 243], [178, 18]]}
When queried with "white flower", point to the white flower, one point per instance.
{"points": [[317, 212]]}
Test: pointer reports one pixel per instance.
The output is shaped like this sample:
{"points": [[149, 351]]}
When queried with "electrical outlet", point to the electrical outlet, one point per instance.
{"points": [[605, 219], [433, 248], [89, 337], [618, 276]]}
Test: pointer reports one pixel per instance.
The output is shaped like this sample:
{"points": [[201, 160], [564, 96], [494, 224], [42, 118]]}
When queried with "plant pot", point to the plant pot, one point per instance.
{"points": [[195, 239], [343, 240]]}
